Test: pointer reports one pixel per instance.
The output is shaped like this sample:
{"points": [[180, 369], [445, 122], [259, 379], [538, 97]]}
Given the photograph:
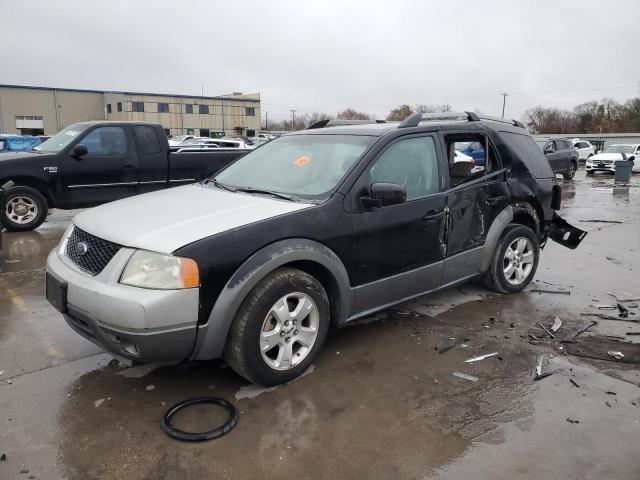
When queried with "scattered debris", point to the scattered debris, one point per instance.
{"points": [[547, 330], [436, 382], [607, 404], [609, 317], [9, 382], [559, 292], [607, 307], [3, 457], [615, 261], [446, 348], [616, 355], [624, 311], [546, 374], [583, 326], [24, 471], [599, 221], [557, 323], [98, 402], [572, 420], [632, 333], [1, 372], [465, 376], [574, 383], [150, 388], [481, 357], [600, 348], [624, 297], [608, 392]]}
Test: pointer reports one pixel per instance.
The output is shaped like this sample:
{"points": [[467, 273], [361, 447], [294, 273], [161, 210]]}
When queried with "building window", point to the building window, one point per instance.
{"points": [[188, 108], [189, 131], [204, 132], [163, 108], [108, 108], [251, 133], [250, 111], [119, 106], [137, 106], [204, 110], [167, 131]]}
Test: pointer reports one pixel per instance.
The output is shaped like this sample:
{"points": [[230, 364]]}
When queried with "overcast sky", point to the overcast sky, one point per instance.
{"points": [[328, 55]]}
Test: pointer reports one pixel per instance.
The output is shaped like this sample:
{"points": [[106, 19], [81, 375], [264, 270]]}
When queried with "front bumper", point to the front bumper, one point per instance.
{"points": [[597, 167], [136, 323]]}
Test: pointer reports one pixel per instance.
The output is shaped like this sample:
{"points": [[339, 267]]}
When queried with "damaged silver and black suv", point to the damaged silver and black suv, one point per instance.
{"points": [[307, 232]]}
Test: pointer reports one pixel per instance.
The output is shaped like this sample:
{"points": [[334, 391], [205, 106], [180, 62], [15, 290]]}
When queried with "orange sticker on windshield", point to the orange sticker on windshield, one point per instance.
{"points": [[301, 161]]}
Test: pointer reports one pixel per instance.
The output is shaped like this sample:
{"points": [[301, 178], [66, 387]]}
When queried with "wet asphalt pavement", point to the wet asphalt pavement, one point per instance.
{"points": [[379, 403]]}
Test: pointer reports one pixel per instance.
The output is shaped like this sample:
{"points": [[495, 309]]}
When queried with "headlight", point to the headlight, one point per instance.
{"points": [[159, 271], [62, 246]]}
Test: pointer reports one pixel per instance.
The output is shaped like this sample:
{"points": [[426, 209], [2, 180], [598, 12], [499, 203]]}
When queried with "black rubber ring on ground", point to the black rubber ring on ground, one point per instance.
{"points": [[199, 436]]}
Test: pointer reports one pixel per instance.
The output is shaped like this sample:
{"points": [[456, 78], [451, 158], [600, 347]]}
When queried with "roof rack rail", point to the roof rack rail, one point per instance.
{"points": [[337, 122], [415, 119]]}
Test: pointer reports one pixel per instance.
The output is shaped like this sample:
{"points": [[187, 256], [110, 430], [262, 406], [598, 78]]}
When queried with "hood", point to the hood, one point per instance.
{"points": [[5, 156], [166, 220], [607, 156]]}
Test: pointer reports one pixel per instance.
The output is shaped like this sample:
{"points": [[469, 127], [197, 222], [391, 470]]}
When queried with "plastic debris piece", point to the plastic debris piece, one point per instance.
{"points": [[435, 381], [481, 357], [546, 374], [572, 420], [615, 354], [582, 327], [607, 404], [610, 317], [557, 323], [465, 376], [446, 348], [632, 333], [624, 311], [559, 292], [150, 388], [574, 383], [98, 402], [3, 457], [547, 330]]}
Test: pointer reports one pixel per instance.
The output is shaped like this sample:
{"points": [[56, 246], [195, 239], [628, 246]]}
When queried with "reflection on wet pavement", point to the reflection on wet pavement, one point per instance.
{"points": [[381, 401]]}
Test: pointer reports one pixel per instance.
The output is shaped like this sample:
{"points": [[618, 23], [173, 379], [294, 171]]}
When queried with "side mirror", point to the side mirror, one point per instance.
{"points": [[384, 194], [632, 158], [549, 150], [79, 150]]}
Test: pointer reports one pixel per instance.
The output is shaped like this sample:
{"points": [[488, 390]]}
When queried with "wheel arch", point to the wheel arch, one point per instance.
{"points": [[35, 183], [305, 254], [527, 213]]}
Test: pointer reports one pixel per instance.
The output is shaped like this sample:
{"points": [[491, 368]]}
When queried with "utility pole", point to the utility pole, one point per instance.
{"points": [[293, 119], [266, 121], [504, 101]]}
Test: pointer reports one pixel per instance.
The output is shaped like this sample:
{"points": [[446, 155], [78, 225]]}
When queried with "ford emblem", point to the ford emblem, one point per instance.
{"points": [[82, 248]]}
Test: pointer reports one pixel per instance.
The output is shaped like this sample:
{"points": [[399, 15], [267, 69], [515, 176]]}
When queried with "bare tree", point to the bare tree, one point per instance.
{"points": [[422, 108], [352, 114], [400, 113]]}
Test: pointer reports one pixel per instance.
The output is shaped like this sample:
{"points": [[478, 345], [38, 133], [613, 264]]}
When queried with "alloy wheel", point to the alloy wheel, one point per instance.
{"points": [[518, 260]]}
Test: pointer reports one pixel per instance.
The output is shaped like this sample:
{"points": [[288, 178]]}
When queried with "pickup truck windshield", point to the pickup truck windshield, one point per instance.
{"points": [[61, 139], [305, 165]]}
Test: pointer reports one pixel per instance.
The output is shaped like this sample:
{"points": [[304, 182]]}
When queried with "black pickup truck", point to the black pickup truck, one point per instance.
{"points": [[91, 163]]}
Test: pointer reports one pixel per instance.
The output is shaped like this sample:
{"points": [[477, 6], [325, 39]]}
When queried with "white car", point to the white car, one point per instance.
{"points": [[179, 139], [605, 160], [585, 149]]}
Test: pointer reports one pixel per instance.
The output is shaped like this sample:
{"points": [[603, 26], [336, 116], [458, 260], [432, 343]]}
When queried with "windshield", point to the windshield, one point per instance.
{"points": [[619, 149], [61, 139], [305, 165]]}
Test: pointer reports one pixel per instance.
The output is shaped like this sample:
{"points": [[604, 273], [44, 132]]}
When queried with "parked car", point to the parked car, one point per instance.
{"points": [[473, 150], [562, 157], [585, 149], [605, 160], [179, 139], [310, 231], [91, 163]]}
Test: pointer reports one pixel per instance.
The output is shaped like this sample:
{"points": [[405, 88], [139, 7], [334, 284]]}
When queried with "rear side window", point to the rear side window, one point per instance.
{"points": [[526, 149], [147, 140]]}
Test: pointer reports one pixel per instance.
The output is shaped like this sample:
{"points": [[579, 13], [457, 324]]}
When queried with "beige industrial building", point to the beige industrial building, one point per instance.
{"points": [[31, 110]]}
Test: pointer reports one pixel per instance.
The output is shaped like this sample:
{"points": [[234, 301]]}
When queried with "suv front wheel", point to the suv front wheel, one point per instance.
{"points": [[279, 329], [515, 260], [571, 172]]}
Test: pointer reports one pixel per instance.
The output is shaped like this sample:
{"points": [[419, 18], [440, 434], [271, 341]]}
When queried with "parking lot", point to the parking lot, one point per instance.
{"points": [[381, 401]]}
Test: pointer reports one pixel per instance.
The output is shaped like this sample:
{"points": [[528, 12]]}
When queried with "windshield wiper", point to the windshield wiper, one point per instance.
{"points": [[284, 196], [219, 185]]}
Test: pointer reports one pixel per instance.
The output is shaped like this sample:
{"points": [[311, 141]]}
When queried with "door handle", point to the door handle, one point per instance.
{"points": [[495, 200], [433, 215]]}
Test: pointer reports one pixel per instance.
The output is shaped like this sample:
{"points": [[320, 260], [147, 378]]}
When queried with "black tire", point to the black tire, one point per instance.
{"points": [[40, 208], [569, 174], [589, 173], [495, 277], [242, 350]]}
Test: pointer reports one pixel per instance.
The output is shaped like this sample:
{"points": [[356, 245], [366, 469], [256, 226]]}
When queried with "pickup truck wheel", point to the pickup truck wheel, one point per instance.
{"points": [[24, 209], [569, 174], [515, 260], [279, 328]]}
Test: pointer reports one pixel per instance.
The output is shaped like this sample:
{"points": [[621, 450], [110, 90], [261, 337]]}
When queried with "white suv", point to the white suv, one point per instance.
{"points": [[585, 149]]}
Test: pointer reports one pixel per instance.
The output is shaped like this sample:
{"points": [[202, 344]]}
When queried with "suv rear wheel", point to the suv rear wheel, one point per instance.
{"points": [[279, 329], [571, 172], [24, 208], [515, 260]]}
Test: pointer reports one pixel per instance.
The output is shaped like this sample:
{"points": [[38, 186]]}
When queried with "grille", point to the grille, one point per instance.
{"points": [[90, 253]]}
